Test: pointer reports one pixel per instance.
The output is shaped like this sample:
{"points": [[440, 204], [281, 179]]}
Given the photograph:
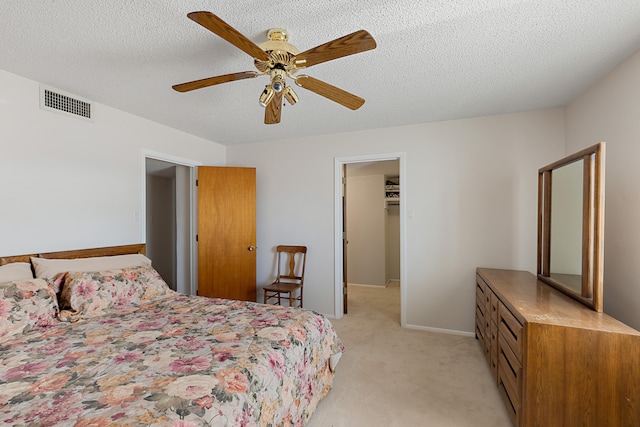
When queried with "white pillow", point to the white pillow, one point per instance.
{"points": [[48, 268], [16, 271]]}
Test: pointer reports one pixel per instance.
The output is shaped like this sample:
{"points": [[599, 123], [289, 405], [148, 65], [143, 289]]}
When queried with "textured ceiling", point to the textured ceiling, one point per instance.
{"points": [[435, 60]]}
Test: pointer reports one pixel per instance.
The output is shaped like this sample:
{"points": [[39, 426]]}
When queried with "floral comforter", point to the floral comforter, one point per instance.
{"points": [[176, 361]]}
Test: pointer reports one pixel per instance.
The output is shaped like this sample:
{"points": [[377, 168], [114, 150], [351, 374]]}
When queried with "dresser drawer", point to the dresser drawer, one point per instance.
{"points": [[509, 378], [493, 349], [481, 287], [492, 314], [493, 336], [511, 410], [510, 330], [483, 290], [480, 282], [481, 330], [480, 303]]}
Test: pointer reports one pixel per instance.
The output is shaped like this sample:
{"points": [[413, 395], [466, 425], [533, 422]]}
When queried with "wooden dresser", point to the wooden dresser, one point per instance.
{"points": [[555, 361]]}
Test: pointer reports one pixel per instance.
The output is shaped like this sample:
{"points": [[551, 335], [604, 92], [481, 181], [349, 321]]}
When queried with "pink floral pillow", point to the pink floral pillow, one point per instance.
{"points": [[26, 305], [91, 294]]}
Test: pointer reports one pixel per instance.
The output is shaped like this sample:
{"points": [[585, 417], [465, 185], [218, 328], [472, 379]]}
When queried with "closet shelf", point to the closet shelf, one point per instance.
{"points": [[392, 191]]}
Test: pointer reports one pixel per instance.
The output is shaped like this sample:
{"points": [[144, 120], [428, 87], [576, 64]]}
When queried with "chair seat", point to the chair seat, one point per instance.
{"points": [[282, 287]]}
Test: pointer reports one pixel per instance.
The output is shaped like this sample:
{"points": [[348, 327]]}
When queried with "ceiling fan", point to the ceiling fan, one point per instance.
{"points": [[280, 60]]}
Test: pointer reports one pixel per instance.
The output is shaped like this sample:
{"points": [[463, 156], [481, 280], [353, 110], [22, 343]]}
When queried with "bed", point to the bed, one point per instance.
{"points": [[117, 347]]}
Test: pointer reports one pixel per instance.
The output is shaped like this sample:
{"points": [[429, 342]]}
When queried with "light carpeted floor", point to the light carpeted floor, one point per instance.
{"points": [[390, 376]]}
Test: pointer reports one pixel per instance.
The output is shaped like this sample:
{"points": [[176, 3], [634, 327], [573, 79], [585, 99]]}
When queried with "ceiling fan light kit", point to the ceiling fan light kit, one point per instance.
{"points": [[266, 96], [279, 59], [290, 95]]}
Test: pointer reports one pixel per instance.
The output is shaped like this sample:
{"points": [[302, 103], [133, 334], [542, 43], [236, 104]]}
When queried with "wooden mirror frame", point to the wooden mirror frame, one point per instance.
{"points": [[592, 225]]}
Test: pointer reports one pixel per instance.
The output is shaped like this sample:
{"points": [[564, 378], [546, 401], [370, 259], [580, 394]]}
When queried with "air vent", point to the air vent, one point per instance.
{"points": [[60, 102]]}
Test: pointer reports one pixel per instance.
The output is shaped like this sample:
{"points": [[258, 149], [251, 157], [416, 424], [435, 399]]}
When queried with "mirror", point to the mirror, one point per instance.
{"points": [[571, 225]]}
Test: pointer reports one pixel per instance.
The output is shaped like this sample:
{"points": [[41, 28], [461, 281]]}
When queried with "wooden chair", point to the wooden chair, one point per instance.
{"points": [[290, 278]]}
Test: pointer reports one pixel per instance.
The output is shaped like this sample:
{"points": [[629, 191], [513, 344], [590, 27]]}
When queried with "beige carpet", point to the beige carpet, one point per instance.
{"points": [[390, 376]]}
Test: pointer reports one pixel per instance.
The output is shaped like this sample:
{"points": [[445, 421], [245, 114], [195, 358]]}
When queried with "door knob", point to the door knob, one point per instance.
{"points": [[251, 247]]}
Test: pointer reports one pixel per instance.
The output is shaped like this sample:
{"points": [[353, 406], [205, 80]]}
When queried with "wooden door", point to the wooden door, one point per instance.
{"points": [[227, 232]]}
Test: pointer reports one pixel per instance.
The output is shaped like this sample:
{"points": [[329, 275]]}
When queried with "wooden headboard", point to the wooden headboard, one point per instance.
{"points": [[138, 248]]}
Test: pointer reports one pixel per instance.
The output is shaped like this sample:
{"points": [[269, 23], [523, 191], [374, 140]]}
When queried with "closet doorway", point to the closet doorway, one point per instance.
{"points": [[169, 215], [371, 227]]}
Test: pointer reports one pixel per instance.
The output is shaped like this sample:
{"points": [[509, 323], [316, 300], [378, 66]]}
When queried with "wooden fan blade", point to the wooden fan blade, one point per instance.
{"points": [[353, 43], [217, 26], [330, 92], [210, 81], [273, 110]]}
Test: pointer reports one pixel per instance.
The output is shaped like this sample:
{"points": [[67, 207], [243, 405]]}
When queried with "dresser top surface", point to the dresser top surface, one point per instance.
{"points": [[533, 301]]}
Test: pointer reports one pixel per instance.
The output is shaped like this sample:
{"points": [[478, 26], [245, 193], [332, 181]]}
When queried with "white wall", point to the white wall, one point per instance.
{"points": [[71, 184], [610, 111], [471, 186], [366, 256]]}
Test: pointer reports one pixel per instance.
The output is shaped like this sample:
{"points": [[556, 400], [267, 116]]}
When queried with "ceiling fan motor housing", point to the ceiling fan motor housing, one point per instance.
{"points": [[278, 40]]}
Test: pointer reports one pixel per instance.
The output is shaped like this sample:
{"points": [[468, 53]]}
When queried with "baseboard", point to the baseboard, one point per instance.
{"points": [[366, 286], [441, 331], [393, 282]]}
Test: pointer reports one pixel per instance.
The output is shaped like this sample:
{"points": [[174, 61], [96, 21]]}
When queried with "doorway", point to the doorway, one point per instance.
{"points": [[373, 223], [379, 261], [169, 218]]}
